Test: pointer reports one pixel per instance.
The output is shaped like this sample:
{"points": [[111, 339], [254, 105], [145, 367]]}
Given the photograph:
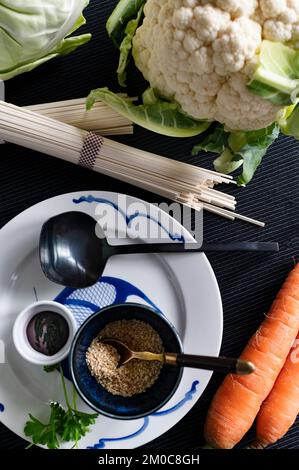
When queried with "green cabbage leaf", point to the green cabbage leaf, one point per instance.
{"points": [[36, 31]]}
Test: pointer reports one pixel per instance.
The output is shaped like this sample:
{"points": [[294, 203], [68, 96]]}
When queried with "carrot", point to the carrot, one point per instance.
{"points": [[239, 398], [280, 409]]}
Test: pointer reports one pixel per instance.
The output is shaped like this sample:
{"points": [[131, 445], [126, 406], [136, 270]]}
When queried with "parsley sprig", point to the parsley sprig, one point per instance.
{"points": [[68, 425]]}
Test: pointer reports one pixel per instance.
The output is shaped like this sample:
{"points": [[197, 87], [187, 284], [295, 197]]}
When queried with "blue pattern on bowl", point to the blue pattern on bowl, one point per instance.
{"points": [[94, 394]]}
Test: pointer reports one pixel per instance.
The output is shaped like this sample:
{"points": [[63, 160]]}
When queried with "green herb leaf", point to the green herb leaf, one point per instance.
{"points": [[51, 368], [46, 434], [162, 116], [63, 425], [76, 425], [126, 48]]}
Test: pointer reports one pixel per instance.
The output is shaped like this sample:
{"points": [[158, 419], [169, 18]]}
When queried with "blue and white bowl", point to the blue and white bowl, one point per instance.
{"points": [[96, 396]]}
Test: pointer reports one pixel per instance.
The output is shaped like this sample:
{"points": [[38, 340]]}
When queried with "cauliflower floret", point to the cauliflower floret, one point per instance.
{"points": [[204, 106], [190, 3], [280, 18], [277, 31], [288, 16], [201, 62], [182, 18], [202, 53], [294, 5], [191, 43], [237, 45], [207, 85], [272, 8], [234, 99], [208, 22], [237, 7]]}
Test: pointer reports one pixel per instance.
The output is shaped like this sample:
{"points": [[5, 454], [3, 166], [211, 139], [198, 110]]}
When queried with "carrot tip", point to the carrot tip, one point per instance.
{"points": [[207, 446], [256, 445]]}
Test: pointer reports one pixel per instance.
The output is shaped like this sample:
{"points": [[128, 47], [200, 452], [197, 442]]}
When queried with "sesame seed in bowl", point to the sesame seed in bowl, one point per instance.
{"points": [[134, 377]]}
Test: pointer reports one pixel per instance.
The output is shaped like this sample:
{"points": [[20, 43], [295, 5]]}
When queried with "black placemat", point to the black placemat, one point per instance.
{"points": [[248, 282]]}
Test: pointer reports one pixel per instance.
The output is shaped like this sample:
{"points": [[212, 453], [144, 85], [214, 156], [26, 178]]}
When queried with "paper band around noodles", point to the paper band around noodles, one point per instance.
{"points": [[90, 150]]}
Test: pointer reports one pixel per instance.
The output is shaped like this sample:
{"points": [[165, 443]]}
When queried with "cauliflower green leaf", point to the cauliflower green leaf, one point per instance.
{"points": [[277, 75], [126, 48], [238, 149], [125, 11], [289, 122], [161, 116], [215, 142]]}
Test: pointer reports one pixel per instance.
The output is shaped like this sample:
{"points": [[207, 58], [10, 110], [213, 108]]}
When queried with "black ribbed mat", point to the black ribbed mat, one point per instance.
{"points": [[248, 282]]}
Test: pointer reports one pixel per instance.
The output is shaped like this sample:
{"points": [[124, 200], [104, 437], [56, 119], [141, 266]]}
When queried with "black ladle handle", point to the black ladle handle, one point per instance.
{"points": [[224, 365], [265, 247]]}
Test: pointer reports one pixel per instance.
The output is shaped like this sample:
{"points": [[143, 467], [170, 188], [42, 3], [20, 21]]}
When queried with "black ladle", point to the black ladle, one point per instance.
{"points": [[74, 255]]}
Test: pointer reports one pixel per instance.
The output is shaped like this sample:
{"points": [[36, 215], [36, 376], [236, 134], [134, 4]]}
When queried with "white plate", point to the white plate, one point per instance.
{"points": [[182, 286]]}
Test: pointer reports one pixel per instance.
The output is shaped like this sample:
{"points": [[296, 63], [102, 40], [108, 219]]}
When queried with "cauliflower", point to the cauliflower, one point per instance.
{"points": [[203, 53]]}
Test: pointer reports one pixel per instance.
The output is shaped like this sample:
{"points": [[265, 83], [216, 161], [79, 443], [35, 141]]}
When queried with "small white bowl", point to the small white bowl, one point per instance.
{"points": [[20, 339]]}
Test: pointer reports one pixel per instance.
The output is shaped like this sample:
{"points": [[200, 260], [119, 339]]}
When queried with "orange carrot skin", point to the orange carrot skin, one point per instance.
{"points": [[239, 398], [280, 409]]}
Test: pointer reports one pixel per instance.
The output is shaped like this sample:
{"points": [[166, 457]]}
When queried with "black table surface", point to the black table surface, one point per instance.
{"points": [[248, 282]]}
